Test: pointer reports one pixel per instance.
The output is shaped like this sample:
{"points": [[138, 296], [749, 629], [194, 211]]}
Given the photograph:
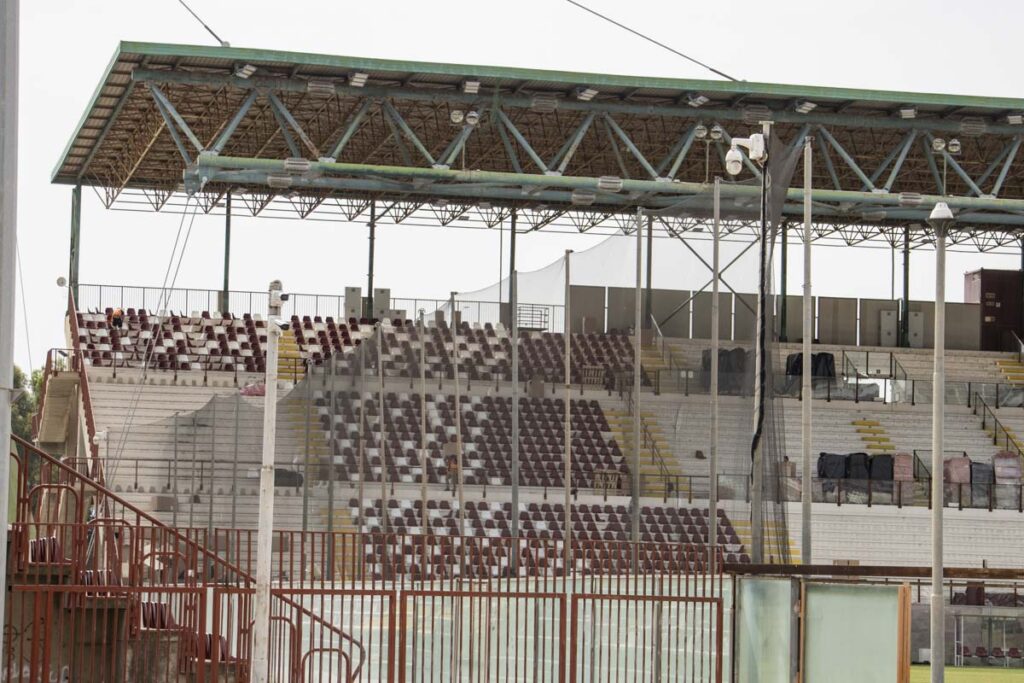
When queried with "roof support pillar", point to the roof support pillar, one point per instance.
{"points": [[784, 262], [905, 301], [650, 260], [224, 296], [75, 246], [369, 275]]}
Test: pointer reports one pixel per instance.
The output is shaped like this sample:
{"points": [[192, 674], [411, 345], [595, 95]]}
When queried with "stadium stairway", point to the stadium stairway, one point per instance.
{"points": [[651, 458], [1011, 371], [873, 434], [775, 535], [289, 359]]}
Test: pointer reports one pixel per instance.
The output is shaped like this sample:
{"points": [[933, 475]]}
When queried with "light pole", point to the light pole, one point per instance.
{"points": [[940, 220]]}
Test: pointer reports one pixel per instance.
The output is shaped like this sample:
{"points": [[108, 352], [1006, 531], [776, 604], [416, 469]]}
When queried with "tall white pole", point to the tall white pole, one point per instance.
{"points": [[715, 344], [265, 529], [513, 300], [637, 358], [938, 622], [567, 474], [424, 454], [382, 438], [8, 245], [807, 391]]}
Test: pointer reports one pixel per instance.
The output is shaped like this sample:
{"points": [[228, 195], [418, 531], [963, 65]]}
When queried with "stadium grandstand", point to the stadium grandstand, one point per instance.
{"points": [[559, 476]]}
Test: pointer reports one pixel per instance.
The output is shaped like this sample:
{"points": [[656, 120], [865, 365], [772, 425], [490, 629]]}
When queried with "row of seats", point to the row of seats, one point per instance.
{"points": [[672, 540], [982, 655], [173, 341], [220, 341], [486, 428]]}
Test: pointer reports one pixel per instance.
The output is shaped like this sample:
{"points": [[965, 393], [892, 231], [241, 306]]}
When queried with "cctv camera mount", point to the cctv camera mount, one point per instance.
{"points": [[757, 151]]}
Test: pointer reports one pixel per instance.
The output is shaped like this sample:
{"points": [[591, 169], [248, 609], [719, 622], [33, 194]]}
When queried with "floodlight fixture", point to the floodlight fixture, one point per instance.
{"points": [[457, 116], [700, 131], [583, 197], [954, 146], [471, 87], [544, 103], [472, 117], [358, 79], [805, 107], [938, 144], [696, 100], [245, 71], [717, 132], [609, 183], [320, 88], [279, 182], [1015, 118], [297, 165], [585, 94], [908, 112]]}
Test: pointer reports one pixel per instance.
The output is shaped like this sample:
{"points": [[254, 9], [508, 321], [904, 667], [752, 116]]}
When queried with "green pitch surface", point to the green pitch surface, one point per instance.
{"points": [[955, 674]]}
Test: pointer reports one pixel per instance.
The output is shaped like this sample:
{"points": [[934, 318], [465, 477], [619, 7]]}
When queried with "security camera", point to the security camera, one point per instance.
{"points": [[733, 161], [756, 148], [283, 324]]}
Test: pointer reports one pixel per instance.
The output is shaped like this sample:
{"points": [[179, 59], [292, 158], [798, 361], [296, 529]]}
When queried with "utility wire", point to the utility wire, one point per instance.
{"points": [[24, 312], [651, 40], [223, 43]]}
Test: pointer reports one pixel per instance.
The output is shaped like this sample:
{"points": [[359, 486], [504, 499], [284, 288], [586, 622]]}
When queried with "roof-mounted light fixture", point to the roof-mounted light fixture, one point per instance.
{"points": [[245, 71], [358, 79], [583, 197], [908, 113], [585, 94], [717, 132], [471, 87], [805, 106], [609, 183], [696, 100], [954, 146], [700, 131], [544, 103], [297, 165], [1015, 118], [320, 88], [938, 145], [279, 182]]}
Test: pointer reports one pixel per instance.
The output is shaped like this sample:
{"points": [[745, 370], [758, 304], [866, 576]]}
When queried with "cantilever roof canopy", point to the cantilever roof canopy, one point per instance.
{"points": [[327, 130]]}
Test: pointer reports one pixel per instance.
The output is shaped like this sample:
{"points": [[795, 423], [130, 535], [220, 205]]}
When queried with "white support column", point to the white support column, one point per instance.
{"points": [[8, 246], [938, 622], [424, 453], [513, 298], [383, 439], [567, 474], [637, 358], [265, 528], [807, 390], [715, 344]]}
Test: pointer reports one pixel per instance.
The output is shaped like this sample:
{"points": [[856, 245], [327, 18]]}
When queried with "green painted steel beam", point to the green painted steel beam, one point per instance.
{"points": [[673, 188]]}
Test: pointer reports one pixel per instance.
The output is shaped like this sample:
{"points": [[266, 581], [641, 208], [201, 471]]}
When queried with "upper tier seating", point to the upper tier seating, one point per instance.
{"points": [[486, 424], [174, 341]]}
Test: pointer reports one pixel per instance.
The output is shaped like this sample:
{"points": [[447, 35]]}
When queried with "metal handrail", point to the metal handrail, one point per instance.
{"points": [[997, 426], [648, 438], [1020, 345]]}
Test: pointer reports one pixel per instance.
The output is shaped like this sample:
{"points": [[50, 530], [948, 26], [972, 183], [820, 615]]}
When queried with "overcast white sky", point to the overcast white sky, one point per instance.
{"points": [[926, 45]]}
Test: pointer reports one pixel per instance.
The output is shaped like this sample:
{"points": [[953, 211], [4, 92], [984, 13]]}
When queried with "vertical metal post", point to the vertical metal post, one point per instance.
{"points": [[514, 333], [905, 304], [174, 479], [192, 475], [225, 303], [213, 466], [234, 463], [458, 421], [938, 622], [807, 391], [424, 453], [74, 253], [715, 344], [305, 456], [512, 269], [369, 275], [332, 443], [637, 334], [265, 528], [783, 282], [649, 303], [760, 332], [567, 474], [382, 447], [361, 415]]}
